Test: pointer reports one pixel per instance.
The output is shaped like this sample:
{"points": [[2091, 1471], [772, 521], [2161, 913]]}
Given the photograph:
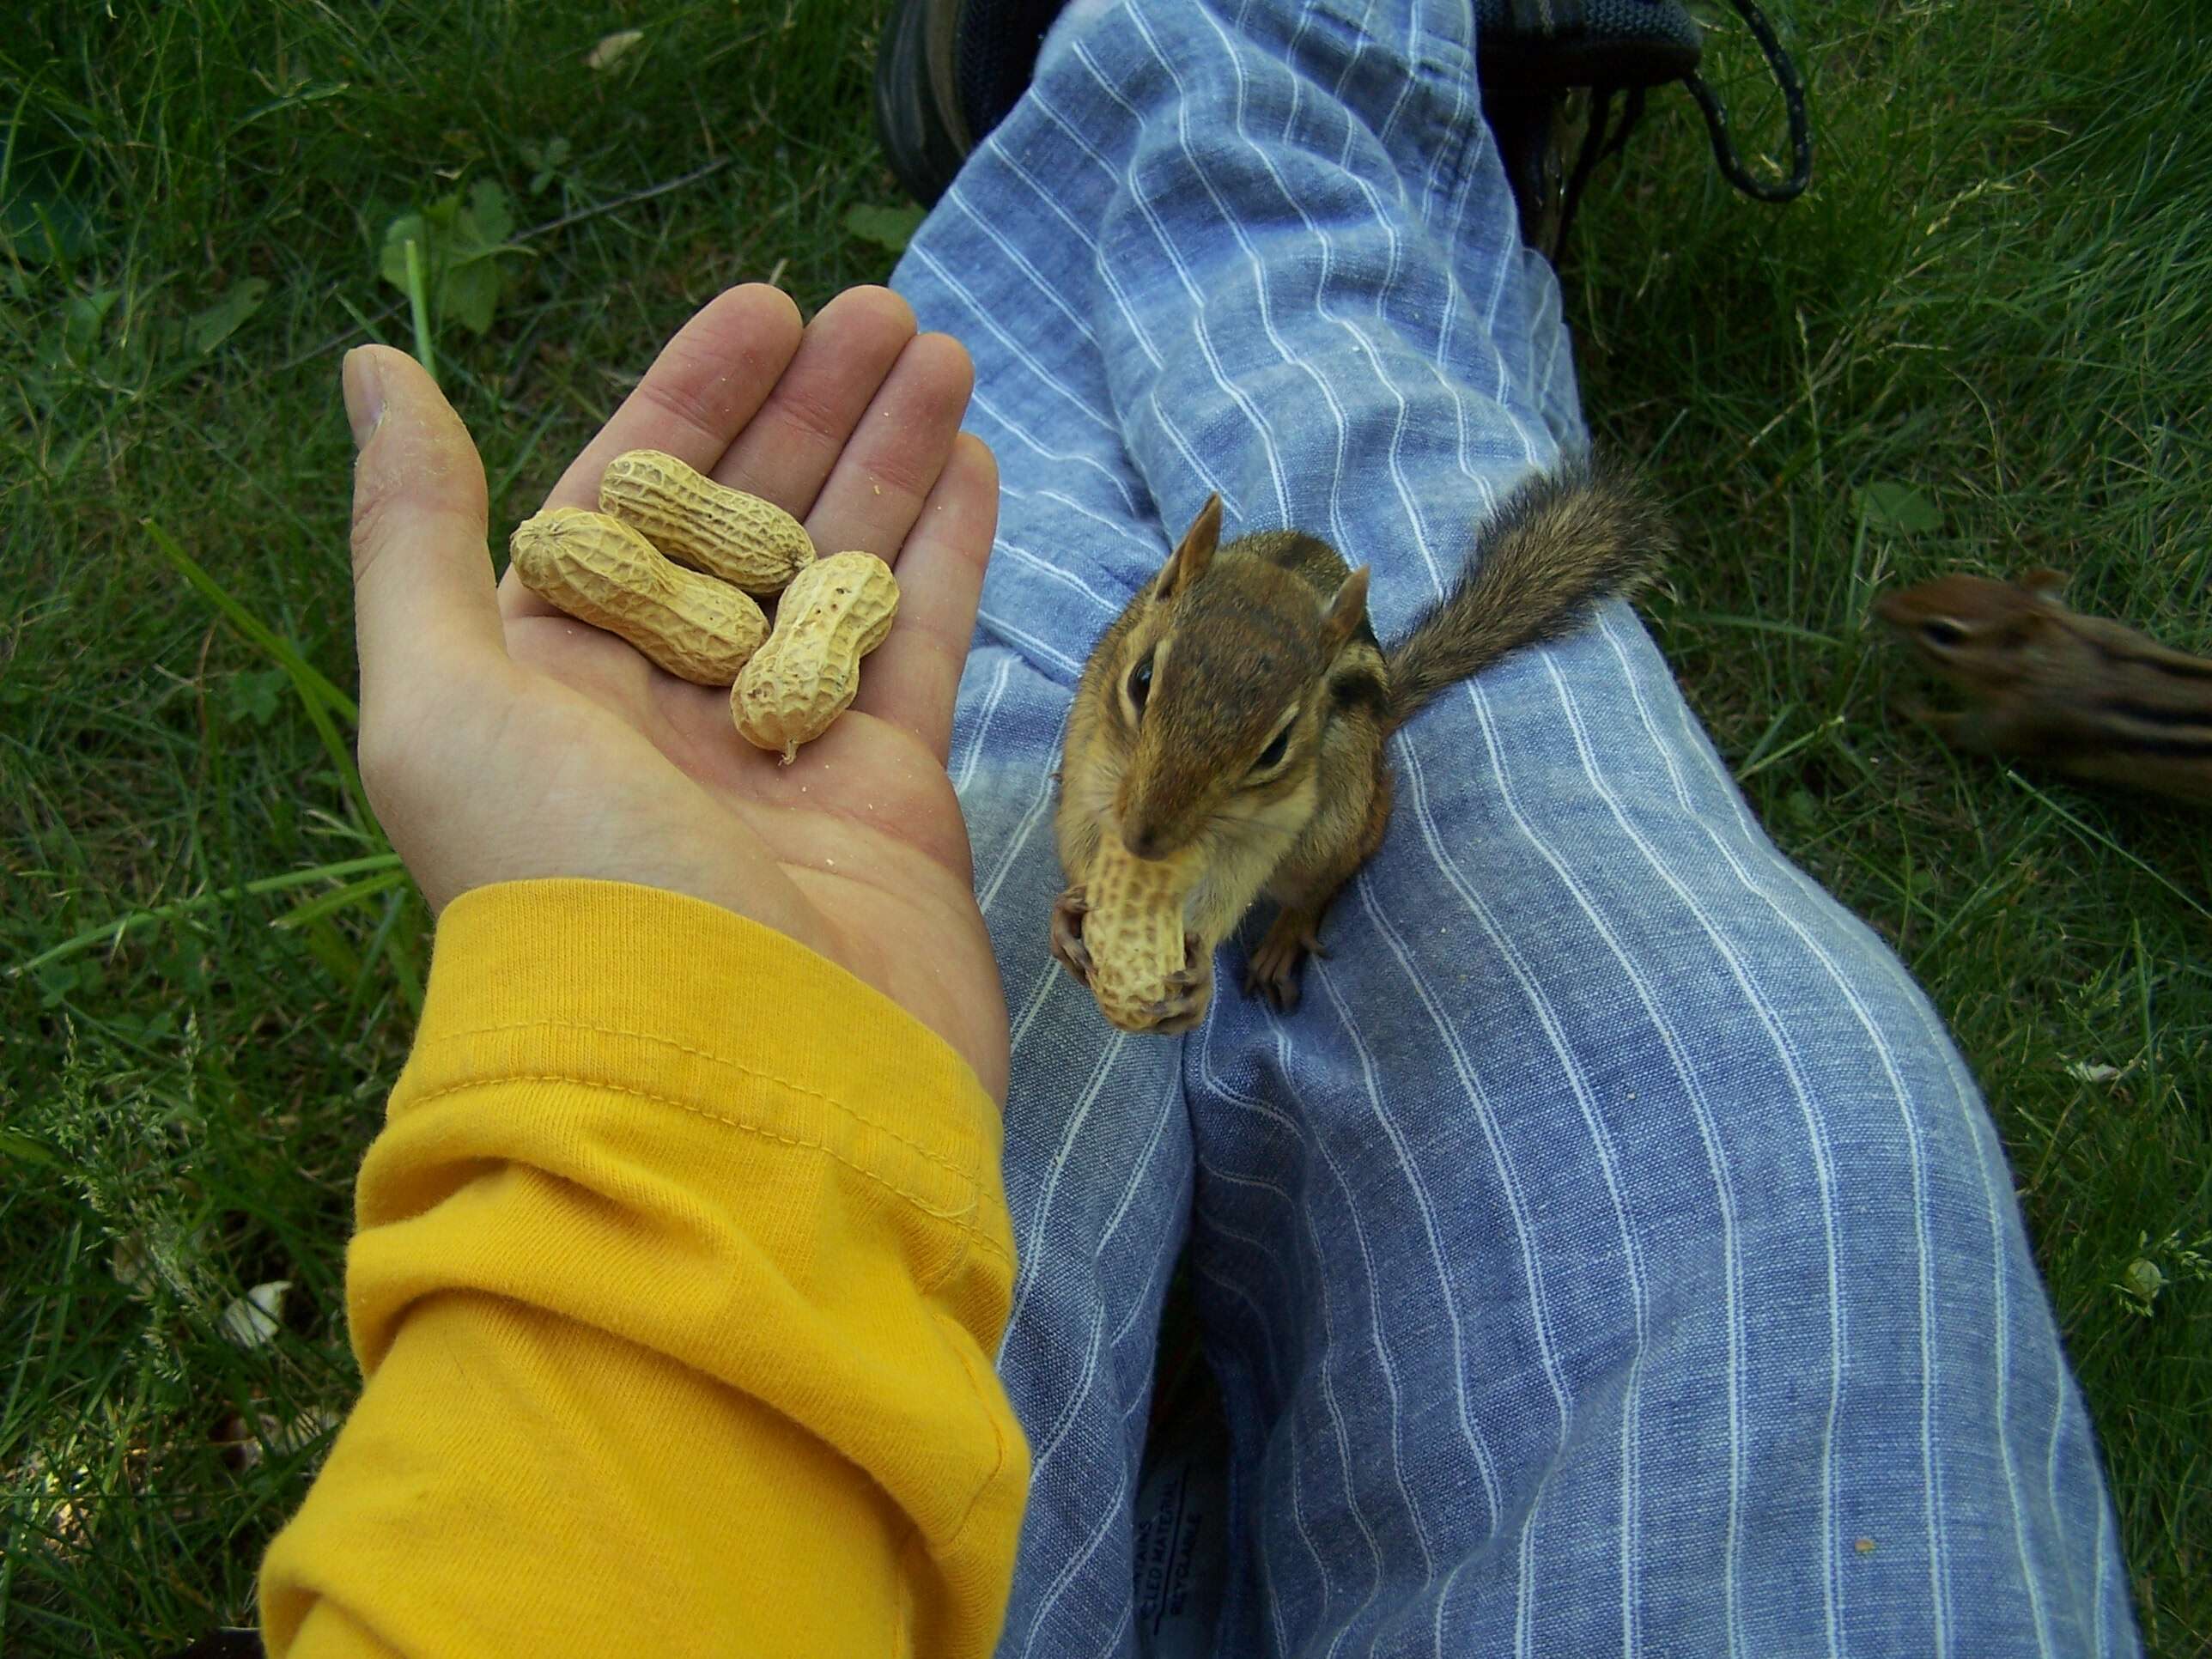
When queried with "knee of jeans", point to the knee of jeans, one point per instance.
{"points": [[1825, 1162]]}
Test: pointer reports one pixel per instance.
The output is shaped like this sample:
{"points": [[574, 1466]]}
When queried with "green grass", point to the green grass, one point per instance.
{"points": [[180, 1117], [1994, 296]]}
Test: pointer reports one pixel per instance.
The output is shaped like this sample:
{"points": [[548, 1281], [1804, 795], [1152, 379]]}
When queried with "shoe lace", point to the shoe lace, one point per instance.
{"points": [[1598, 143]]}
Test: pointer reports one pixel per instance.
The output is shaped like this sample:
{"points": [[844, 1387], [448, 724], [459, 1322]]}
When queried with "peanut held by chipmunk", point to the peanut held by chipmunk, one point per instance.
{"points": [[1228, 732]]}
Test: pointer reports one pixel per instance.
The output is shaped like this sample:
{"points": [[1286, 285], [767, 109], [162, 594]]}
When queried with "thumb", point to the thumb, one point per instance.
{"points": [[425, 608]]}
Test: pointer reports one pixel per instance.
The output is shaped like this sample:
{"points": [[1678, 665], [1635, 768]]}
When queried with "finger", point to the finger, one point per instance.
{"points": [[424, 608], [892, 461], [911, 680], [792, 446], [707, 383]]}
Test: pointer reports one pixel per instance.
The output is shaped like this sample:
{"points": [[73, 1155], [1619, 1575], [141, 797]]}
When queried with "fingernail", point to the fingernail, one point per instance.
{"points": [[364, 394]]}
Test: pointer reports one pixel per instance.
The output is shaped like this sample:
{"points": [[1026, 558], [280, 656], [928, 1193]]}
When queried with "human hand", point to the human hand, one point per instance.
{"points": [[501, 740]]}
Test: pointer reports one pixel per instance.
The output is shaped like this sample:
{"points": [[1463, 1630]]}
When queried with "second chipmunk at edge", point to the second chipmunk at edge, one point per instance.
{"points": [[1241, 702]]}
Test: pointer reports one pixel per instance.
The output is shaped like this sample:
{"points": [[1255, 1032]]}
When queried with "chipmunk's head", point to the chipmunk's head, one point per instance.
{"points": [[1972, 629], [1220, 693]]}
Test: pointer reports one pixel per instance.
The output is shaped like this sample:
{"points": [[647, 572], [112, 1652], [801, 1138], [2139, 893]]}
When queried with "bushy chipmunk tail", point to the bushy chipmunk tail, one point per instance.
{"points": [[1560, 544]]}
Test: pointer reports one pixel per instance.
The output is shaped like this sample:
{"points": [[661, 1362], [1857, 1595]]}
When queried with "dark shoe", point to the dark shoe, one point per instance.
{"points": [[946, 73], [1550, 67], [1559, 46]]}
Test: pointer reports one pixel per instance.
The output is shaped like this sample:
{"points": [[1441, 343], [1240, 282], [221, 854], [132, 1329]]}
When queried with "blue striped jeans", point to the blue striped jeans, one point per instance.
{"points": [[1613, 1254]]}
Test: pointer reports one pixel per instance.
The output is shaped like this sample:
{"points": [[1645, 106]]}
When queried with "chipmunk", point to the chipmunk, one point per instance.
{"points": [[2094, 700], [1241, 702]]}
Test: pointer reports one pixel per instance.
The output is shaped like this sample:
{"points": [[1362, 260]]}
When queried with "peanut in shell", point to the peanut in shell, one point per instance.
{"points": [[603, 572], [835, 611], [1134, 929], [747, 542]]}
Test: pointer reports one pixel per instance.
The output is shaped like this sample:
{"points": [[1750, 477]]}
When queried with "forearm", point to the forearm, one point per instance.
{"points": [[681, 1261]]}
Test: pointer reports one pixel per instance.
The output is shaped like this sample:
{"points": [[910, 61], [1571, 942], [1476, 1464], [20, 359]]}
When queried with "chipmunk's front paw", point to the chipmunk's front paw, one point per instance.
{"points": [[1189, 992], [1274, 973], [1067, 945]]}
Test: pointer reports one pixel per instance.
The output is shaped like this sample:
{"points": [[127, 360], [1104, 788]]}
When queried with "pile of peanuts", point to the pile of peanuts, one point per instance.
{"points": [[673, 561]]}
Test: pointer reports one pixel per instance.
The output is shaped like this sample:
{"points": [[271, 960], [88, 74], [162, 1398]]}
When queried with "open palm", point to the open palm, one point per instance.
{"points": [[502, 740]]}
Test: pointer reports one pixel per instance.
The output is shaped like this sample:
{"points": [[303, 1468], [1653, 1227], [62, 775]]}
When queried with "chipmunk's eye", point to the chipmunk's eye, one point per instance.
{"points": [[1940, 632], [1271, 756], [1140, 683]]}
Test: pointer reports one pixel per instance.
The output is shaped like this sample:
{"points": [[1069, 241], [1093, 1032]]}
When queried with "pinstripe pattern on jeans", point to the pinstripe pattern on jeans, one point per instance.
{"points": [[1613, 1255]]}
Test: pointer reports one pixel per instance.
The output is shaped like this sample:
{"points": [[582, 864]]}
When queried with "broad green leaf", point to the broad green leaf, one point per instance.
{"points": [[887, 227], [462, 245], [493, 216], [81, 319], [29, 1149], [470, 294], [255, 696], [46, 229], [1897, 509], [210, 328], [391, 262]]}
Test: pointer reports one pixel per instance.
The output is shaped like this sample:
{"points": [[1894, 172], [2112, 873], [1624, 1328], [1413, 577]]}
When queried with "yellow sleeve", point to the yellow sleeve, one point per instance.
{"points": [[680, 1263]]}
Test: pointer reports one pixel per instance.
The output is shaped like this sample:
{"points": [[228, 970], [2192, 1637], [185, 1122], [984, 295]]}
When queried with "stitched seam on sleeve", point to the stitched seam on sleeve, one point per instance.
{"points": [[962, 1220], [948, 1165], [997, 1433]]}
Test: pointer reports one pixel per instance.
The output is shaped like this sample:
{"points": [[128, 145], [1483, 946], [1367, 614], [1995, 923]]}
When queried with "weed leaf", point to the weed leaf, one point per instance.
{"points": [[81, 319], [464, 249], [887, 227], [469, 294], [1896, 509], [253, 696], [210, 328], [490, 219], [548, 159]]}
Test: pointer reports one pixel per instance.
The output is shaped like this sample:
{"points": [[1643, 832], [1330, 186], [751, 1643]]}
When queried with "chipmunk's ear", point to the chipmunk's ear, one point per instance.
{"points": [[1346, 612], [1194, 552], [2044, 584]]}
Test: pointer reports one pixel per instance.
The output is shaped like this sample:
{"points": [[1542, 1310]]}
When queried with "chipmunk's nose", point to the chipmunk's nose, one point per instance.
{"points": [[1146, 841]]}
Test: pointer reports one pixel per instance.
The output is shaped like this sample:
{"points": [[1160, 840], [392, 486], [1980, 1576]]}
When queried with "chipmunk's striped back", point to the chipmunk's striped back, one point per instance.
{"points": [[2091, 698]]}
